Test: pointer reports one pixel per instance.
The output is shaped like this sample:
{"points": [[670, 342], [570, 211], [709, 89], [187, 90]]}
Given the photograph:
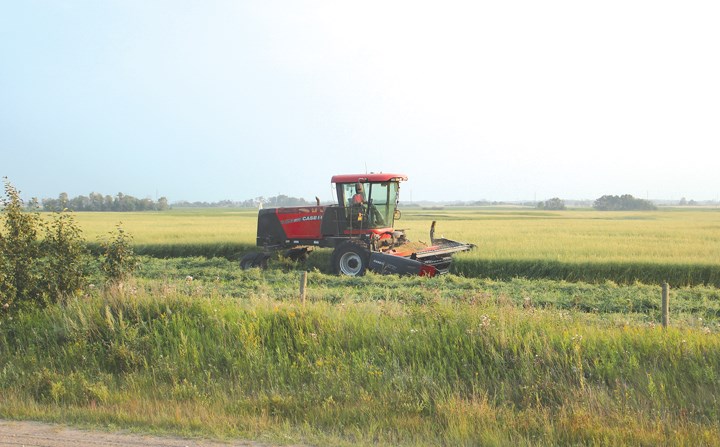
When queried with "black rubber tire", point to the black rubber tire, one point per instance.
{"points": [[350, 259]]}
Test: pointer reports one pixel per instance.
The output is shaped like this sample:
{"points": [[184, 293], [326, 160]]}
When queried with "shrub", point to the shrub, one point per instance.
{"points": [[118, 261], [66, 263], [36, 272], [19, 252]]}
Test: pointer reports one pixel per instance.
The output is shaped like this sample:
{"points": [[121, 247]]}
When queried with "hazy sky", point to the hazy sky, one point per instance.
{"points": [[501, 100]]}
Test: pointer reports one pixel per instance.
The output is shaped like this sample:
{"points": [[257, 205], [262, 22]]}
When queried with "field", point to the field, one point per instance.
{"points": [[679, 246], [454, 360]]}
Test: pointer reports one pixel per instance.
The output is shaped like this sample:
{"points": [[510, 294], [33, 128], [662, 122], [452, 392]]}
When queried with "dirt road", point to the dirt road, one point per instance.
{"points": [[35, 434]]}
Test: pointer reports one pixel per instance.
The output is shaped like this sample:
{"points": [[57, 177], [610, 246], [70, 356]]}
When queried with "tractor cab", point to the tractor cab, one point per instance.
{"points": [[368, 201]]}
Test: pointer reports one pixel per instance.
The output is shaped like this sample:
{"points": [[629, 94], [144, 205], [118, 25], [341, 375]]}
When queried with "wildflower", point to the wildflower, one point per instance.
{"points": [[188, 278]]}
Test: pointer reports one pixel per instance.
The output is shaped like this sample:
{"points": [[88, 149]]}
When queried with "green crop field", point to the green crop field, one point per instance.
{"points": [[675, 245], [509, 352]]}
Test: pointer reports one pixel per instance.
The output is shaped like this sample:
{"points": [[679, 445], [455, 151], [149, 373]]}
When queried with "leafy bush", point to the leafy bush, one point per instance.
{"points": [[35, 272], [118, 261], [66, 256], [19, 251]]}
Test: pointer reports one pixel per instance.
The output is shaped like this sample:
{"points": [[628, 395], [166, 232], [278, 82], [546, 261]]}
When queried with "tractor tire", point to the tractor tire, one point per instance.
{"points": [[254, 259], [350, 259]]}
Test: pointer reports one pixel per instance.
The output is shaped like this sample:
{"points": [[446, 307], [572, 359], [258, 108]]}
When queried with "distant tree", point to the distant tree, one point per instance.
{"points": [[79, 203], [626, 202], [283, 200], [146, 205], [552, 204], [162, 204], [96, 201], [50, 205], [63, 201]]}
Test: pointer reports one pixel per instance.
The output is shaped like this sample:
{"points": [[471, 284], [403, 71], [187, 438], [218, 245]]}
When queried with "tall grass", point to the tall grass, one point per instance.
{"points": [[419, 361], [221, 277]]}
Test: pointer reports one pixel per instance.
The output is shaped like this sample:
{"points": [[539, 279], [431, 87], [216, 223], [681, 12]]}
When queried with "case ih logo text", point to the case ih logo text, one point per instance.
{"points": [[302, 219]]}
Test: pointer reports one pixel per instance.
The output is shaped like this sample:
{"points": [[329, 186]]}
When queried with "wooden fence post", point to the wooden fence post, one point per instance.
{"points": [[303, 286], [665, 304]]}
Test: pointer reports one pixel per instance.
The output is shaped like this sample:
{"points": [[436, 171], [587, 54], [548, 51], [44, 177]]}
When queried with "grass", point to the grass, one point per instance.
{"points": [[370, 361], [176, 227], [681, 247]]}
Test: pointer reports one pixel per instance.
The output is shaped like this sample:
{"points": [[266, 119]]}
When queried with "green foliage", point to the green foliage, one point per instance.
{"points": [[626, 202], [118, 261], [19, 251], [415, 361], [35, 272], [66, 257], [98, 202], [554, 204]]}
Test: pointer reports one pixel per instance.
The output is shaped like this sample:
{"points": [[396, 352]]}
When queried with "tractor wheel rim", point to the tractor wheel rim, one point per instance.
{"points": [[351, 264]]}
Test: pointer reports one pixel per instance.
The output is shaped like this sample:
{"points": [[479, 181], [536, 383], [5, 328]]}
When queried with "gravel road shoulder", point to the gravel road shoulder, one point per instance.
{"points": [[37, 434]]}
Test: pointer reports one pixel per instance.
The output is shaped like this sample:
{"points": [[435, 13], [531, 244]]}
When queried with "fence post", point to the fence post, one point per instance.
{"points": [[303, 286], [665, 304]]}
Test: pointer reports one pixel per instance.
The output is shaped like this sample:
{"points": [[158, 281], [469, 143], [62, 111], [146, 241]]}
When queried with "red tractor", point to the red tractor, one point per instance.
{"points": [[360, 229]]}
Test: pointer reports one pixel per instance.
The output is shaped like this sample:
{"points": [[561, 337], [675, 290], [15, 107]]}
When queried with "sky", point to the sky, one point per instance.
{"points": [[210, 100]]}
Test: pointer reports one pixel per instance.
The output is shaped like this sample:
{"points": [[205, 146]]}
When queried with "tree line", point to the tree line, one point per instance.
{"points": [[275, 201], [625, 202], [125, 202], [98, 202]]}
